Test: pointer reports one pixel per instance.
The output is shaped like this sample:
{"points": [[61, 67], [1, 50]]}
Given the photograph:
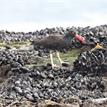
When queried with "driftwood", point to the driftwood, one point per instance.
{"points": [[48, 103], [99, 101]]}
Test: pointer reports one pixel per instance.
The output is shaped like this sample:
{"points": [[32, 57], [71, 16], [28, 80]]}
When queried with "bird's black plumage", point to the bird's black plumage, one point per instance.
{"points": [[57, 42], [60, 42]]}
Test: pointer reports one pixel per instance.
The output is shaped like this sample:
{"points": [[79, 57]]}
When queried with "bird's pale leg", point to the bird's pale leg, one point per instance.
{"points": [[59, 58], [61, 61], [51, 57]]}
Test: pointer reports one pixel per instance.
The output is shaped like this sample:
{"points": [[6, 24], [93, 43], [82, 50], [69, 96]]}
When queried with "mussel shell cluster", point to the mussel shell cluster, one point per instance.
{"points": [[92, 62]]}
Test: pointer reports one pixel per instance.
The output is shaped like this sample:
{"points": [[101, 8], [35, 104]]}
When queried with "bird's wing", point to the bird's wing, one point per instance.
{"points": [[51, 40]]}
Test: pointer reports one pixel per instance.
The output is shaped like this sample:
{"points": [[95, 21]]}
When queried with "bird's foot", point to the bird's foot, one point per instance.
{"points": [[54, 66], [66, 64]]}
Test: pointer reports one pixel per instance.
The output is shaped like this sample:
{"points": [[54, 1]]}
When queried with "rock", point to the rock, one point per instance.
{"points": [[18, 90], [29, 96]]}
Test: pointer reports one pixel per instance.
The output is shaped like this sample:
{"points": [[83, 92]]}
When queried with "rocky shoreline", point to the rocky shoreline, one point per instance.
{"points": [[80, 83]]}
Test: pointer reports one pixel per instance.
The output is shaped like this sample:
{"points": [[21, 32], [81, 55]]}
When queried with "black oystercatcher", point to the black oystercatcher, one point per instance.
{"points": [[59, 42]]}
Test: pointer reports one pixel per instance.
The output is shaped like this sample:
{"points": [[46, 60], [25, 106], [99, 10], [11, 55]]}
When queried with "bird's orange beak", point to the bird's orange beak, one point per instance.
{"points": [[98, 46]]}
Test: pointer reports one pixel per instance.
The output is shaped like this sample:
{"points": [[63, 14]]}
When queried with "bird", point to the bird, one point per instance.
{"points": [[56, 43]]}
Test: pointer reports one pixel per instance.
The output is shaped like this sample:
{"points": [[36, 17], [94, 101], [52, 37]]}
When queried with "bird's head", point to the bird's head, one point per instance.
{"points": [[70, 35]]}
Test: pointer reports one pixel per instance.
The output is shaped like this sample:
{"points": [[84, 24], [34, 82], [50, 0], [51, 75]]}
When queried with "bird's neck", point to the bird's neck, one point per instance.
{"points": [[68, 38]]}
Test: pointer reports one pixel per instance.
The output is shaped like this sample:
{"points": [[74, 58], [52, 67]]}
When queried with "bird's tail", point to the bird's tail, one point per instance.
{"points": [[35, 44]]}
